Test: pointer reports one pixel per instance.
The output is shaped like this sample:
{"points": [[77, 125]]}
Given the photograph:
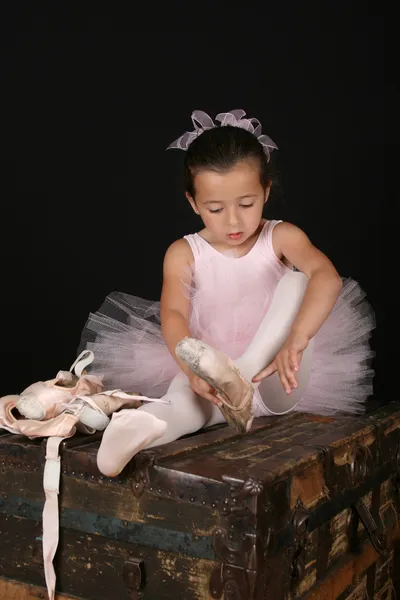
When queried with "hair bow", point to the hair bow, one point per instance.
{"points": [[201, 122]]}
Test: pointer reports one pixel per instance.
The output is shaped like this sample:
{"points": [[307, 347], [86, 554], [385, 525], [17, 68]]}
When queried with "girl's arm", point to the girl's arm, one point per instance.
{"points": [[174, 301], [175, 305], [325, 283], [323, 289]]}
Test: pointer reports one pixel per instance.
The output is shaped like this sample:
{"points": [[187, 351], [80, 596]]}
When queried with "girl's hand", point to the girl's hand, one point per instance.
{"points": [[203, 389], [286, 362]]}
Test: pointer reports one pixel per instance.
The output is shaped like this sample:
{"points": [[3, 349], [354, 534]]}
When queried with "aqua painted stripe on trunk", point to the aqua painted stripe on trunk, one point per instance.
{"points": [[113, 528]]}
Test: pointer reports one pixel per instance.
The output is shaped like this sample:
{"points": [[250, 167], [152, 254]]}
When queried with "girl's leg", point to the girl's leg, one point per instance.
{"points": [[270, 337], [153, 424], [186, 413], [275, 326]]}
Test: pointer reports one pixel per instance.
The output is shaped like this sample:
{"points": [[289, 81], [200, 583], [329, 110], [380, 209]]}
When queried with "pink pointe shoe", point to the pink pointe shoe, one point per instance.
{"points": [[94, 411], [7, 419], [64, 425], [217, 369], [46, 399]]}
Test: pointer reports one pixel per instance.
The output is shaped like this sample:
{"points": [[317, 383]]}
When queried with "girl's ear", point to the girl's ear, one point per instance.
{"points": [[267, 191], [192, 203]]}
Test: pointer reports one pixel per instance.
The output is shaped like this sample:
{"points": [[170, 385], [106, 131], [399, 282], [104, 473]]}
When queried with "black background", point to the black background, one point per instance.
{"points": [[91, 199]]}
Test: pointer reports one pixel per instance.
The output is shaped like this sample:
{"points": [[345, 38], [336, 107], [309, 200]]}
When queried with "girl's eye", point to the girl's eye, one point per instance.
{"points": [[215, 211]]}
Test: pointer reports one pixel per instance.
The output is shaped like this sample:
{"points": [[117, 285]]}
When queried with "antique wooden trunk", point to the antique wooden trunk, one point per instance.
{"points": [[300, 507]]}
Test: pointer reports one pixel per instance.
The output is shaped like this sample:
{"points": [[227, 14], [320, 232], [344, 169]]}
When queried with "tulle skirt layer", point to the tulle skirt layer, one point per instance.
{"points": [[129, 350], [130, 353], [341, 378]]}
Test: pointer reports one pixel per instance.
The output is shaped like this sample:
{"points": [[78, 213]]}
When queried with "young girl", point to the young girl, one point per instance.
{"points": [[257, 291]]}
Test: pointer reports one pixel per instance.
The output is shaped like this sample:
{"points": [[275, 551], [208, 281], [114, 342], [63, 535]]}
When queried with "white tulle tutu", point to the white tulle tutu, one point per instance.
{"points": [[125, 336]]}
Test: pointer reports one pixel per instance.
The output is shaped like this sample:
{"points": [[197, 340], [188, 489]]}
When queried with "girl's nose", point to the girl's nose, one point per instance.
{"points": [[233, 218]]}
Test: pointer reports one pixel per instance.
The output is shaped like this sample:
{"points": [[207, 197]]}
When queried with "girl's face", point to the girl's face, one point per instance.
{"points": [[230, 204]]}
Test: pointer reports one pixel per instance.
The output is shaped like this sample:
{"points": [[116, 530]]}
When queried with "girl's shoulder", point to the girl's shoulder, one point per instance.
{"points": [[273, 233], [179, 253], [282, 231]]}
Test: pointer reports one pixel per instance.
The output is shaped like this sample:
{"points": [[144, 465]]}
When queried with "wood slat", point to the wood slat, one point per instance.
{"points": [[349, 573], [16, 590]]}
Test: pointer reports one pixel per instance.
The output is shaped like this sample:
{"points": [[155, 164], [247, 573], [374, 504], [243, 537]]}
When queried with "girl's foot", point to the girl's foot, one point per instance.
{"points": [[215, 367], [129, 432]]}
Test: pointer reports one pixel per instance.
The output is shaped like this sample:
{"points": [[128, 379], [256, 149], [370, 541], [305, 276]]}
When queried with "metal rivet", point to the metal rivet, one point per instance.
{"points": [[151, 489], [192, 499], [159, 490], [204, 503], [213, 505]]}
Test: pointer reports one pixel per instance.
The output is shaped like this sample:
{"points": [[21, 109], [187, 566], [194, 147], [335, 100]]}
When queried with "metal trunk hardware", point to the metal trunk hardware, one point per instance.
{"points": [[140, 467], [239, 544], [374, 530], [133, 577], [358, 465], [300, 523]]}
